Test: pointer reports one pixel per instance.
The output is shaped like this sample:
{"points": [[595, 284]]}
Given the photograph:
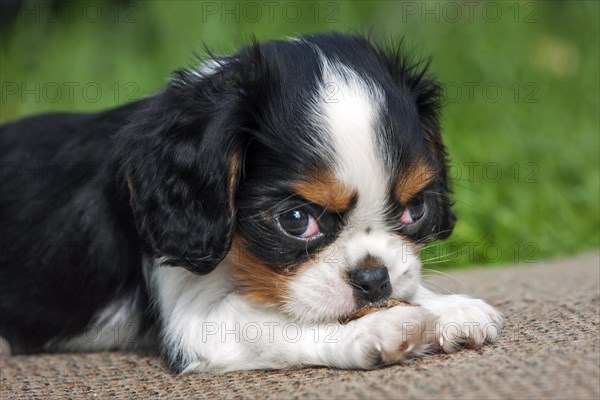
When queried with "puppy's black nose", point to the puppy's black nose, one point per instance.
{"points": [[371, 283]]}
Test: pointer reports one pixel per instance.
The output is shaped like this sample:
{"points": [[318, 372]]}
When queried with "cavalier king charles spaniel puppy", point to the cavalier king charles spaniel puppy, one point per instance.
{"points": [[238, 218]]}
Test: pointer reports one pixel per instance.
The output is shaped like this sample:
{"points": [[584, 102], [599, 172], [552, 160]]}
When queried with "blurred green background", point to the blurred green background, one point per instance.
{"points": [[521, 79]]}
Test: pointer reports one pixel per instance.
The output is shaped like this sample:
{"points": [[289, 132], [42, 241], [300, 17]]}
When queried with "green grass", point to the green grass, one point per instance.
{"points": [[541, 133]]}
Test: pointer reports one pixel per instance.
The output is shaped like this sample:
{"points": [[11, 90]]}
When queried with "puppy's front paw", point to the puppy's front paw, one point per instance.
{"points": [[390, 336], [464, 321]]}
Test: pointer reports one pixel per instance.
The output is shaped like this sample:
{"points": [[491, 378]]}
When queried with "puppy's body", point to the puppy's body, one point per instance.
{"points": [[306, 174], [68, 239]]}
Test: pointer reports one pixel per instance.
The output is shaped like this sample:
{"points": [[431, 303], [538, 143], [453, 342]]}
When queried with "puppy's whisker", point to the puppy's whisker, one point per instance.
{"points": [[442, 257], [437, 286], [435, 272], [466, 187]]}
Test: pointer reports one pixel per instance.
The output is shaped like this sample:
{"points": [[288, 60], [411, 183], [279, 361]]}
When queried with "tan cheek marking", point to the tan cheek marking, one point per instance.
{"points": [[324, 189], [413, 181], [257, 280]]}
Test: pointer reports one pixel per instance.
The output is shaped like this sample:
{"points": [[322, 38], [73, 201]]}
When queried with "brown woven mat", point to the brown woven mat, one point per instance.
{"points": [[549, 349]]}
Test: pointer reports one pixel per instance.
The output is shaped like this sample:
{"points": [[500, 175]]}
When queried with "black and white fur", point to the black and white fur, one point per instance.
{"points": [[129, 228]]}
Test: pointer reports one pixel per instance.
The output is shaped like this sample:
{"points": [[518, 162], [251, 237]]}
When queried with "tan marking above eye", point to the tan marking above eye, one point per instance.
{"points": [[412, 181], [323, 189]]}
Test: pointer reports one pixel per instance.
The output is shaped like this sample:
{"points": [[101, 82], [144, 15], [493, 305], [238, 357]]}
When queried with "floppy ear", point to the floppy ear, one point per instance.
{"points": [[414, 76], [180, 156]]}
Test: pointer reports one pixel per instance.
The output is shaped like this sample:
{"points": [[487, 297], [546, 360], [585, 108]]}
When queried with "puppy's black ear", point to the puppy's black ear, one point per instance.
{"points": [[180, 156], [415, 77]]}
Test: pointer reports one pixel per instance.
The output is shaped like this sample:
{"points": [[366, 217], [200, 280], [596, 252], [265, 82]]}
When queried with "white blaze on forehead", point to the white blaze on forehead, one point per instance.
{"points": [[348, 110], [350, 107]]}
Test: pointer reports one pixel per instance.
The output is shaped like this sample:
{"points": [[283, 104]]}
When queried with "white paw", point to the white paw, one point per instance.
{"points": [[390, 336], [464, 321]]}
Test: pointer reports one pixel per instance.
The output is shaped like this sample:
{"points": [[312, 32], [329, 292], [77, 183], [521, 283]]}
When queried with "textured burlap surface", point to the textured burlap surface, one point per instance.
{"points": [[549, 349]]}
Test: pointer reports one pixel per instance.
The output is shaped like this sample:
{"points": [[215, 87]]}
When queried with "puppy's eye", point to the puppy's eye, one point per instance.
{"points": [[414, 211], [299, 223]]}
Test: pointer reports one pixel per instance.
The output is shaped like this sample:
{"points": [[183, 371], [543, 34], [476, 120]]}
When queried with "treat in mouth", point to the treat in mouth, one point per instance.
{"points": [[371, 309]]}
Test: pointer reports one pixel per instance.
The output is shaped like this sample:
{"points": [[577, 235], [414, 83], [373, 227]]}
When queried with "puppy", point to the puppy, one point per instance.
{"points": [[237, 216]]}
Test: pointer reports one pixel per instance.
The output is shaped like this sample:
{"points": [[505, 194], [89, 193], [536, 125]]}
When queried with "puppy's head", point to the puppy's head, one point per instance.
{"points": [[314, 168]]}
